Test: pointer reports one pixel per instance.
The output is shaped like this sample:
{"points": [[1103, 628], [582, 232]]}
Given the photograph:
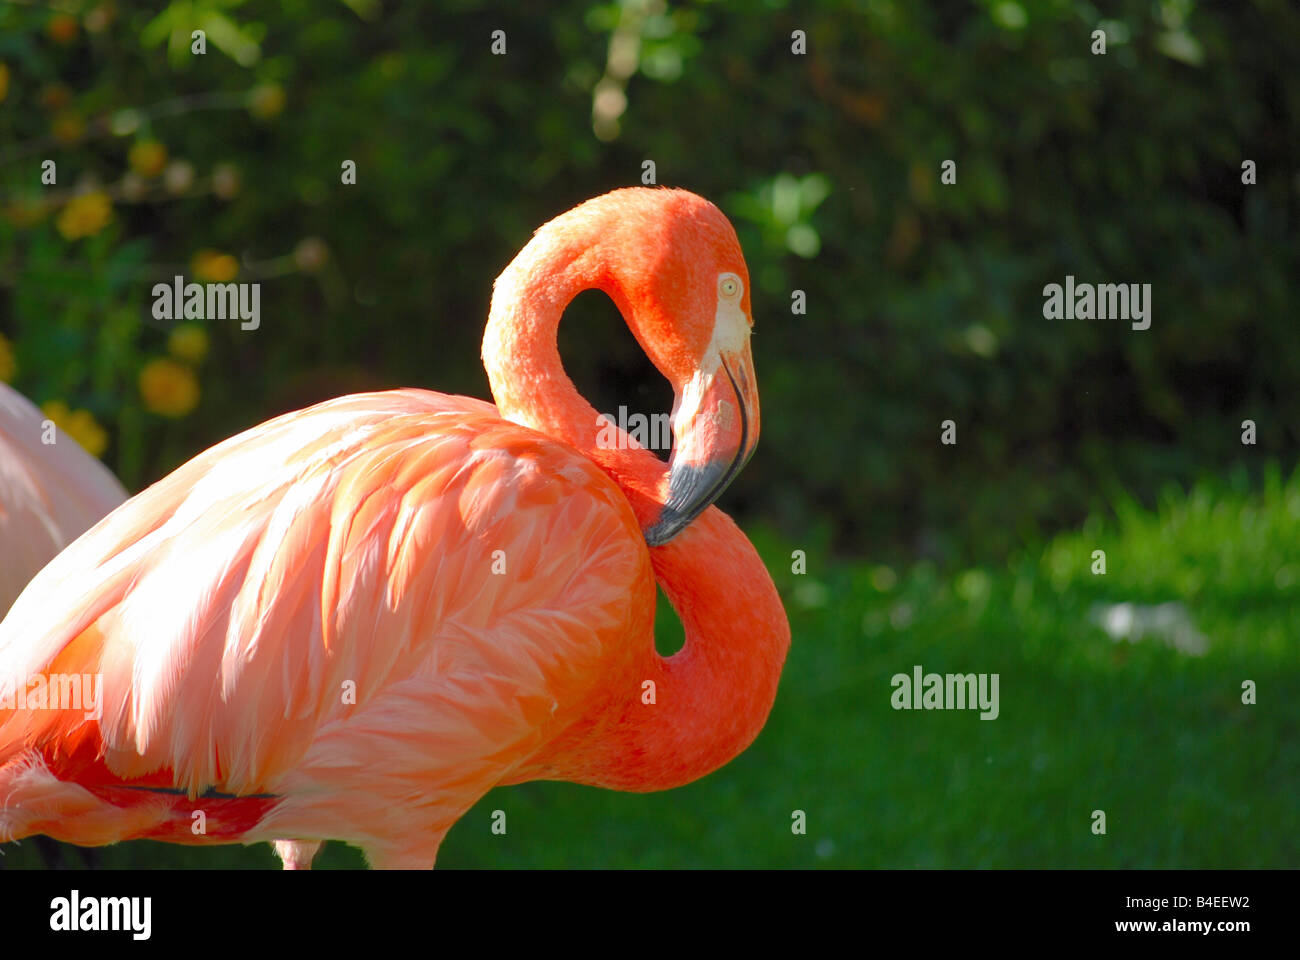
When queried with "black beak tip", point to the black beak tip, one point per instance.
{"points": [[669, 524], [691, 490]]}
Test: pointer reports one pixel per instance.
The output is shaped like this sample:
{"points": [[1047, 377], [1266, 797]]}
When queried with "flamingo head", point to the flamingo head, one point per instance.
{"points": [[676, 271], [671, 263]]}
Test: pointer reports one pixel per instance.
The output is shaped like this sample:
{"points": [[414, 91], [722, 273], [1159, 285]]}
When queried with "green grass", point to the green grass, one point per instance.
{"points": [[1188, 775]]}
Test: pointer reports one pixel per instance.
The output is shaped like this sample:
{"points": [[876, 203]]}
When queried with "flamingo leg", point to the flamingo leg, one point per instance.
{"points": [[297, 854]]}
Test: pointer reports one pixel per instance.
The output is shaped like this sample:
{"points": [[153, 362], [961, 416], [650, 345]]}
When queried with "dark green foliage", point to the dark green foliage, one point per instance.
{"points": [[924, 300]]}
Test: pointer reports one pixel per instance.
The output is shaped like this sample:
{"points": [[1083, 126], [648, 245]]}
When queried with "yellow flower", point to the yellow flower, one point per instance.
{"points": [[55, 96], [266, 100], [147, 158], [168, 388], [85, 215], [213, 266], [189, 342], [68, 127], [62, 28], [8, 363], [80, 425], [4, 82]]}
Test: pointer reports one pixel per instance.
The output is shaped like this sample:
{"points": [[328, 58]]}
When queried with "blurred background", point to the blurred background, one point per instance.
{"points": [[1121, 691]]}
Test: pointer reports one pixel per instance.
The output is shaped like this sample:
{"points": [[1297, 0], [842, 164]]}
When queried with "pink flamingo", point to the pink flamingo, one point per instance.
{"points": [[352, 621], [51, 492]]}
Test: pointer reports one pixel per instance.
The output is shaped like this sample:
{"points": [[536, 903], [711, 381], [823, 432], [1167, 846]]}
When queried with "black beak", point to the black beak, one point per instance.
{"points": [[712, 447]]}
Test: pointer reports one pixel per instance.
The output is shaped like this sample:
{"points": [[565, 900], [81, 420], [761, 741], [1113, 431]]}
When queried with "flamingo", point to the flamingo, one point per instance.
{"points": [[352, 621], [51, 491]]}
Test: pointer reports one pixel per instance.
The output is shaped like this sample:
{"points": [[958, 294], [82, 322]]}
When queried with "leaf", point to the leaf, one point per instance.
{"points": [[1182, 46], [232, 40]]}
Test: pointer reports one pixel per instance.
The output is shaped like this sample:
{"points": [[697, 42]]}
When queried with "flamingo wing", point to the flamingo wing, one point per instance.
{"points": [[363, 614], [50, 493]]}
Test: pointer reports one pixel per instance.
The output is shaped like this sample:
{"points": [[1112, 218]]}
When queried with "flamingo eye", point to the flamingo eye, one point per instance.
{"points": [[729, 286]]}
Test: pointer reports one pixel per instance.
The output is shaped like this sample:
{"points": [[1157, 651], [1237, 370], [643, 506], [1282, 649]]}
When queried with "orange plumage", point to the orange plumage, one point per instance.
{"points": [[352, 621]]}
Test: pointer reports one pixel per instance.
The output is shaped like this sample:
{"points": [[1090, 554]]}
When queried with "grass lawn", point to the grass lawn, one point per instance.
{"points": [[1150, 730]]}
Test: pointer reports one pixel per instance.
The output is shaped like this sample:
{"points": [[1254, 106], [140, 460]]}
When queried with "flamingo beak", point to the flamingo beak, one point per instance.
{"points": [[715, 431]]}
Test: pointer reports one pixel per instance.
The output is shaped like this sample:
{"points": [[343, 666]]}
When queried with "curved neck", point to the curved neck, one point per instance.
{"points": [[522, 359], [713, 696], [710, 699]]}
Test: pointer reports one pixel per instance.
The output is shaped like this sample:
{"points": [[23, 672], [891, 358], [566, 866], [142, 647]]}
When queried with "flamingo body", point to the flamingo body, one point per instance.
{"points": [[352, 621], [50, 493], [330, 530]]}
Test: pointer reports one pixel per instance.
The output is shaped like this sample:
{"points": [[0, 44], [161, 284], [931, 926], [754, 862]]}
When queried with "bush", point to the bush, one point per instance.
{"points": [[924, 299]]}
